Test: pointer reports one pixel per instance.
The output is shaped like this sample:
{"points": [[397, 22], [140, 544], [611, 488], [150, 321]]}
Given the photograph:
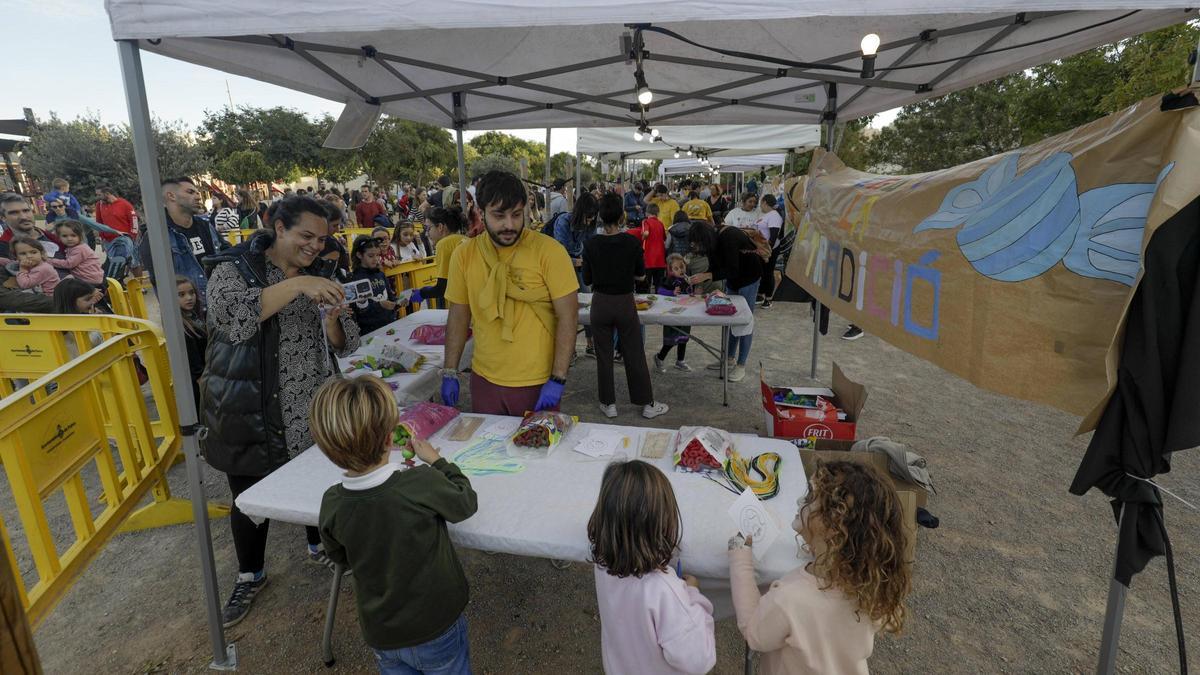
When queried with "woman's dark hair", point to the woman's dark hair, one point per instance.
{"points": [[703, 237], [362, 244], [75, 226], [451, 217], [583, 217], [610, 209], [500, 189], [769, 200], [635, 528], [681, 217], [67, 292], [289, 210], [693, 195]]}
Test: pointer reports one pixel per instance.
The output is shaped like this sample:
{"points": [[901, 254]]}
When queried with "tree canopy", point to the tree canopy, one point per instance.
{"points": [[402, 150]]}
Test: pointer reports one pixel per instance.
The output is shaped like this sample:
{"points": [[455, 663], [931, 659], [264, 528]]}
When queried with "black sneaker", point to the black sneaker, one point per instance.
{"points": [[766, 304], [320, 558], [852, 333], [617, 358], [590, 352], [239, 602]]}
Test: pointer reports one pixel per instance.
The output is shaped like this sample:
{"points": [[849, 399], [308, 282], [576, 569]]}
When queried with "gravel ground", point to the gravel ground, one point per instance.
{"points": [[1014, 580]]}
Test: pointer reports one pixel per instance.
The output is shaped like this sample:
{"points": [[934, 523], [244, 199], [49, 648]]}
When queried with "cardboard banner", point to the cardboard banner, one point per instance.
{"points": [[1014, 271]]}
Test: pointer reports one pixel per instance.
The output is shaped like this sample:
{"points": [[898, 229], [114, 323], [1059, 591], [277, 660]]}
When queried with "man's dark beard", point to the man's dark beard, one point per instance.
{"points": [[496, 240]]}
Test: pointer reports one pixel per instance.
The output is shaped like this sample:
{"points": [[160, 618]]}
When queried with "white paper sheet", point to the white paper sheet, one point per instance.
{"points": [[751, 518]]}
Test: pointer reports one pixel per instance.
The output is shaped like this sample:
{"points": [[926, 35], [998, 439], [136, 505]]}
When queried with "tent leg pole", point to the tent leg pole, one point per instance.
{"points": [[1113, 614], [462, 169], [816, 341], [548, 177], [224, 654]]}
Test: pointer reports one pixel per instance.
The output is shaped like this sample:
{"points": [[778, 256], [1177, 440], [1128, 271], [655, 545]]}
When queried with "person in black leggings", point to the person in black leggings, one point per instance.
{"points": [[612, 263]]}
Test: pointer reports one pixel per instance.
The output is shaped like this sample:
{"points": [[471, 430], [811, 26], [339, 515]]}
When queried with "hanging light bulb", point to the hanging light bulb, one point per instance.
{"points": [[637, 134], [689, 152], [676, 154], [654, 133], [870, 47], [644, 95]]}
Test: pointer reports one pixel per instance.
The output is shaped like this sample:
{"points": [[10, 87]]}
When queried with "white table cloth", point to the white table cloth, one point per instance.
{"points": [[543, 510], [421, 385], [662, 312]]}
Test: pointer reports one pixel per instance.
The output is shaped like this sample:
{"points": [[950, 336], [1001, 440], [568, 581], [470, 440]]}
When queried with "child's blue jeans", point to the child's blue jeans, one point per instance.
{"points": [[446, 654]]}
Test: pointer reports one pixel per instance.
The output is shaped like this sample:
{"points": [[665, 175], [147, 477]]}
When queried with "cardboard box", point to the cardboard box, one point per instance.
{"points": [[788, 422], [911, 495]]}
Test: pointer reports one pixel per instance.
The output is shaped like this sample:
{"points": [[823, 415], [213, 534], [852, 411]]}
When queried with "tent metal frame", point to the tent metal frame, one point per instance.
{"points": [[479, 83]]}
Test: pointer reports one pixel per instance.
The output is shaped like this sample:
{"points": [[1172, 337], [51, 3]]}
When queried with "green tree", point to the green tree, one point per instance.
{"points": [[89, 153], [507, 145], [288, 140], [1152, 63], [488, 163], [854, 143], [954, 129], [243, 167], [333, 165], [402, 150]]}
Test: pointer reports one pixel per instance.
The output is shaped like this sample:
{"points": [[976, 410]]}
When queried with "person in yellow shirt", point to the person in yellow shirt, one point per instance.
{"points": [[517, 289], [697, 208], [667, 206], [445, 227]]}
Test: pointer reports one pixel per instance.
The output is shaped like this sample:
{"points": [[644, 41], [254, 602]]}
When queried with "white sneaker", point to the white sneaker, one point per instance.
{"points": [[682, 365], [659, 364], [652, 410], [610, 410], [737, 373]]}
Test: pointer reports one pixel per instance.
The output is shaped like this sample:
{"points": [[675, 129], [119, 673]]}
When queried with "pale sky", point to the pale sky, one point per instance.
{"points": [[65, 51]]}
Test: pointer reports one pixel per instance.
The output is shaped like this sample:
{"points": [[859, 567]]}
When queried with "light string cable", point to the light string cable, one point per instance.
{"points": [[1172, 494], [790, 63]]}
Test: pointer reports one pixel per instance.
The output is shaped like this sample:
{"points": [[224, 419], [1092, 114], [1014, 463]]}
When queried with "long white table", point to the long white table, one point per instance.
{"points": [[687, 311], [543, 510], [423, 384]]}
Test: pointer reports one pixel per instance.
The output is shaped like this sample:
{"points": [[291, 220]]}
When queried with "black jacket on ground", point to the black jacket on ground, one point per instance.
{"points": [[244, 421]]}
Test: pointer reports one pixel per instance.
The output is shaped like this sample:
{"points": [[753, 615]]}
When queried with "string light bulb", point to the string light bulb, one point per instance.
{"points": [[870, 48], [654, 133], [637, 134], [644, 95], [676, 154]]}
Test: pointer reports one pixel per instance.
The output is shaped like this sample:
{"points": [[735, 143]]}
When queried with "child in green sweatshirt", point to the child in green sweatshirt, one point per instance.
{"points": [[388, 525]]}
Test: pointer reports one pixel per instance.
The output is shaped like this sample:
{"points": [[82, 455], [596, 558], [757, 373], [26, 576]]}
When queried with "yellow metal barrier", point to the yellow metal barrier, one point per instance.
{"points": [[57, 428], [135, 295], [235, 237], [117, 298], [32, 346]]}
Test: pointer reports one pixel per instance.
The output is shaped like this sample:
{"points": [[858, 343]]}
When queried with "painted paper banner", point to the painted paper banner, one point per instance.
{"points": [[1014, 271]]}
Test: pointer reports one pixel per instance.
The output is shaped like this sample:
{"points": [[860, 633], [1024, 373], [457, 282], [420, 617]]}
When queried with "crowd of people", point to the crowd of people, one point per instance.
{"points": [[266, 319]]}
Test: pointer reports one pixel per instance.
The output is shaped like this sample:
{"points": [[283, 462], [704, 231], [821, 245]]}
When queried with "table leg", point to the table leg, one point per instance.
{"points": [[749, 666], [724, 365], [330, 615]]}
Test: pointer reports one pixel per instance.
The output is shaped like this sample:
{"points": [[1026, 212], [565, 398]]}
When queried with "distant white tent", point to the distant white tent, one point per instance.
{"points": [[673, 167], [714, 141]]}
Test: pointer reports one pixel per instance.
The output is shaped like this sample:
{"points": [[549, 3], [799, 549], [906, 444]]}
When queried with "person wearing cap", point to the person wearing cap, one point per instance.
{"points": [[558, 199]]}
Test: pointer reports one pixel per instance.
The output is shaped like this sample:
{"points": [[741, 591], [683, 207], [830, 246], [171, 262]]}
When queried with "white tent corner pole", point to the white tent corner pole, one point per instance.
{"points": [[224, 654], [462, 168], [1114, 612], [547, 176]]}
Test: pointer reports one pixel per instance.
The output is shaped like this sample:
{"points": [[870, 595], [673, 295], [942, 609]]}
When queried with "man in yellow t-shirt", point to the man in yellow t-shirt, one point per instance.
{"points": [[517, 289], [697, 209], [667, 207]]}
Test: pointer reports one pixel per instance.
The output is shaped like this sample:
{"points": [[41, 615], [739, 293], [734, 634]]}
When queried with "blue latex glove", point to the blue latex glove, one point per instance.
{"points": [[550, 395], [449, 390], [415, 298]]}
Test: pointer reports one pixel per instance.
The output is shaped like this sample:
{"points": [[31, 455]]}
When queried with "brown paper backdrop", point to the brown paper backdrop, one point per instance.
{"points": [[1013, 317]]}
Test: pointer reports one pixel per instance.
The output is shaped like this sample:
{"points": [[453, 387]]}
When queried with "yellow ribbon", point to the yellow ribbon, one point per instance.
{"points": [[500, 293]]}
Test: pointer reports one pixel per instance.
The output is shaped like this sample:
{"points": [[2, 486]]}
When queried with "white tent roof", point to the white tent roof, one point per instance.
{"points": [[562, 63], [725, 164], [716, 141]]}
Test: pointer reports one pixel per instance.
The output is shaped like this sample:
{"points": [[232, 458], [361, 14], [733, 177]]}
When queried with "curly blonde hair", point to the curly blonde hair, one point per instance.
{"points": [[856, 511]]}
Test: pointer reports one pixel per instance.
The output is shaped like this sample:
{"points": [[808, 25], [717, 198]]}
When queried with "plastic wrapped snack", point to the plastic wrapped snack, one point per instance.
{"points": [[429, 335], [719, 304], [540, 433], [702, 449], [420, 420], [389, 359]]}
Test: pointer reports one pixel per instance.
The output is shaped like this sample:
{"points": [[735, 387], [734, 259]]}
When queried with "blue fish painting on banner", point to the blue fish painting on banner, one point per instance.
{"points": [[1016, 227]]}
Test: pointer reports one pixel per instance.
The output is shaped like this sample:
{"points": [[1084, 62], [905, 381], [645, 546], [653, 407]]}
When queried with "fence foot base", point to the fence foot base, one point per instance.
{"points": [[230, 662], [174, 511]]}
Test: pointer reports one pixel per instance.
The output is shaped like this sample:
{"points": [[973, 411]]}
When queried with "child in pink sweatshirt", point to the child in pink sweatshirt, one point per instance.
{"points": [[652, 622], [34, 273], [81, 261], [822, 618]]}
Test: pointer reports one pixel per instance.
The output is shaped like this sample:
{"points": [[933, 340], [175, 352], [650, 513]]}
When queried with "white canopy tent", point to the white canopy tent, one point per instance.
{"points": [[719, 140], [571, 63], [685, 165]]}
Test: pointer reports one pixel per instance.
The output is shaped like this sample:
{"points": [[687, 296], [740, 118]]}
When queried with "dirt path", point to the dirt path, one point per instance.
{"points": [[1014, 580]]}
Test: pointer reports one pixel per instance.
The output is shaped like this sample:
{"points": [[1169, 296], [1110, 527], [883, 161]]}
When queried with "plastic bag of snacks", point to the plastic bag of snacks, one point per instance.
{"points": [[719, 304], [702, 449], [420, 420], [540, 433]]}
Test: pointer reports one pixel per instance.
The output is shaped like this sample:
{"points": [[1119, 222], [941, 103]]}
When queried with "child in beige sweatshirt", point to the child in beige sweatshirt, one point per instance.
{"points": [[822, 617]]}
